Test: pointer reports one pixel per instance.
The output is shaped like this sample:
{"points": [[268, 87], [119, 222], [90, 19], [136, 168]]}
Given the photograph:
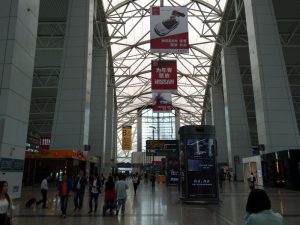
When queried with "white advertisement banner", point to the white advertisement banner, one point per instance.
{"points": [[169, 30]]}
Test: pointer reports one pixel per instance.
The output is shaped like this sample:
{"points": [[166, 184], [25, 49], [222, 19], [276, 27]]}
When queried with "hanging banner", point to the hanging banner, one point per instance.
{"points": [[169, 30], [126, 138], [162, 102], [164, 75]]}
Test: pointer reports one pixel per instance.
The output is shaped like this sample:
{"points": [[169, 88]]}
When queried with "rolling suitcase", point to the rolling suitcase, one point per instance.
{"points": [[30, 202]]}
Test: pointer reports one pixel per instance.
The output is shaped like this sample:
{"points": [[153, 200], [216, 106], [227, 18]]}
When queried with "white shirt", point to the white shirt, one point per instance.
{"points": [[251, 178], [94, 187], [44, 184], [78, 184], [4, 204]]}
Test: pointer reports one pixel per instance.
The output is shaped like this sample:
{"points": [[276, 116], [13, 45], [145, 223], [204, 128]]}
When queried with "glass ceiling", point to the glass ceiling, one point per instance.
{"points": [[128, 24]]}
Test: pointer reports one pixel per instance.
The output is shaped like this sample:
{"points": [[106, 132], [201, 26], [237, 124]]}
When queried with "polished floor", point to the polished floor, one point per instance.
{"points": [[160, 206]]}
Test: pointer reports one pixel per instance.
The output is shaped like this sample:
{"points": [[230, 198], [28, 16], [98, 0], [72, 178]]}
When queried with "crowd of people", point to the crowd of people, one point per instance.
{"points": [[114, 188], [258, 207]]}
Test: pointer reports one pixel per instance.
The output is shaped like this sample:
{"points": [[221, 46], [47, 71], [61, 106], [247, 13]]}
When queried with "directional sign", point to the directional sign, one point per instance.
{"points": [[161, 147]]}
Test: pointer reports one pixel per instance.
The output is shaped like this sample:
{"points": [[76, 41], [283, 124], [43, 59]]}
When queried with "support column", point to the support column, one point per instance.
{"points": [[109, 146], [218, 120], [98, 114], [139, 130], [71, 120], [18, 33], [237, 129], [177, 122], [208, 117], [115, 132], [275, 114]]}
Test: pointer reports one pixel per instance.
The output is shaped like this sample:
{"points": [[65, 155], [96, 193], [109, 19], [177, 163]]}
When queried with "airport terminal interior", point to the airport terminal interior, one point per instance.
{"points": [[196, 103]]}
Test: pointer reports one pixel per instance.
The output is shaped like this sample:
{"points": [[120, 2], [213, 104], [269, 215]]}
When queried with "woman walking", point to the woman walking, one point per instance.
{"points": [[6, 205], [110, 196]]}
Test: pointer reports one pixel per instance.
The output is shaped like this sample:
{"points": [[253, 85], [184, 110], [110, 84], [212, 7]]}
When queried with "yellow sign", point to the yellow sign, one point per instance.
{"points": [[126, 138]]}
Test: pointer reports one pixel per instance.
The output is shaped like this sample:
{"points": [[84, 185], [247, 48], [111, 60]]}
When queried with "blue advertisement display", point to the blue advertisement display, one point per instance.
{"points": [[172, 169], [201, 169]]}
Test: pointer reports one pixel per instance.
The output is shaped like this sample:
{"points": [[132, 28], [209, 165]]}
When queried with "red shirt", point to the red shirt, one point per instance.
{"points": [[64, 188]]}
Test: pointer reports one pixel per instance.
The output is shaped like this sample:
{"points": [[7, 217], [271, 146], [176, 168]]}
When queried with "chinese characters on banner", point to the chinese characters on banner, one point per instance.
{"points": [[164, 75], [126, 138], [164, 81], [169, 30]]}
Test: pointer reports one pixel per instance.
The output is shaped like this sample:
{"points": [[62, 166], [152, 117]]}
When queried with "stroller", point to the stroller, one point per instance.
{"points": [[110, 202]]}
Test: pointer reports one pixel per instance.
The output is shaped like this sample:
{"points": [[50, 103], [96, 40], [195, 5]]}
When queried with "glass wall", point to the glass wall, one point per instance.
{"points": [[157, 126]]}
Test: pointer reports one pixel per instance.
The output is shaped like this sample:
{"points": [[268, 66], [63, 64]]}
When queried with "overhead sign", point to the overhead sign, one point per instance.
{"points": [[169, 30], [161, 147], [126, 138], [162, 102], [164, 75]]}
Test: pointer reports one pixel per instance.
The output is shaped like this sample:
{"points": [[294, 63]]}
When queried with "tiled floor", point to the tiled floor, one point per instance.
{"points": [[162, 207]]}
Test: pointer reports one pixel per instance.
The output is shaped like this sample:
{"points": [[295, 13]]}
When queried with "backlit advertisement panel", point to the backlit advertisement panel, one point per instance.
{"points": [[201, 168]]}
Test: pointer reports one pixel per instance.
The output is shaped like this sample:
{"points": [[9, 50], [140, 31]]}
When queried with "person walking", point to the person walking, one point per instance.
{"points": [[64, 188], [258, 210], [121, 188], [152, 179], [95, 190], [44, 191], [221, 178], [135, 181], [251, 181], [6, 206], [79, 188], [102, 179], [110, 195]]}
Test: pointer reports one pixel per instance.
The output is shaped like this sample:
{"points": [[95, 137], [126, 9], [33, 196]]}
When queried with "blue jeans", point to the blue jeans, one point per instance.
{"points": [[78, 199], [95, 197], [64, 204], [121, 203]]}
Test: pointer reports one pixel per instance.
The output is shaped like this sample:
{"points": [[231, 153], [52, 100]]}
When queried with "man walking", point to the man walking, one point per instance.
{"points": [[95, 190], [251, 181], [44, 190], [79, 187], [121, 187]]}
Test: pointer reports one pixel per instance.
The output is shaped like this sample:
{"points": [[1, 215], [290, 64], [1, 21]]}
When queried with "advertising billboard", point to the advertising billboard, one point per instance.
{"points": [[201, 168], [169, 29], [126, 138], [162, 102], [173, 169], [164, 75]]}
